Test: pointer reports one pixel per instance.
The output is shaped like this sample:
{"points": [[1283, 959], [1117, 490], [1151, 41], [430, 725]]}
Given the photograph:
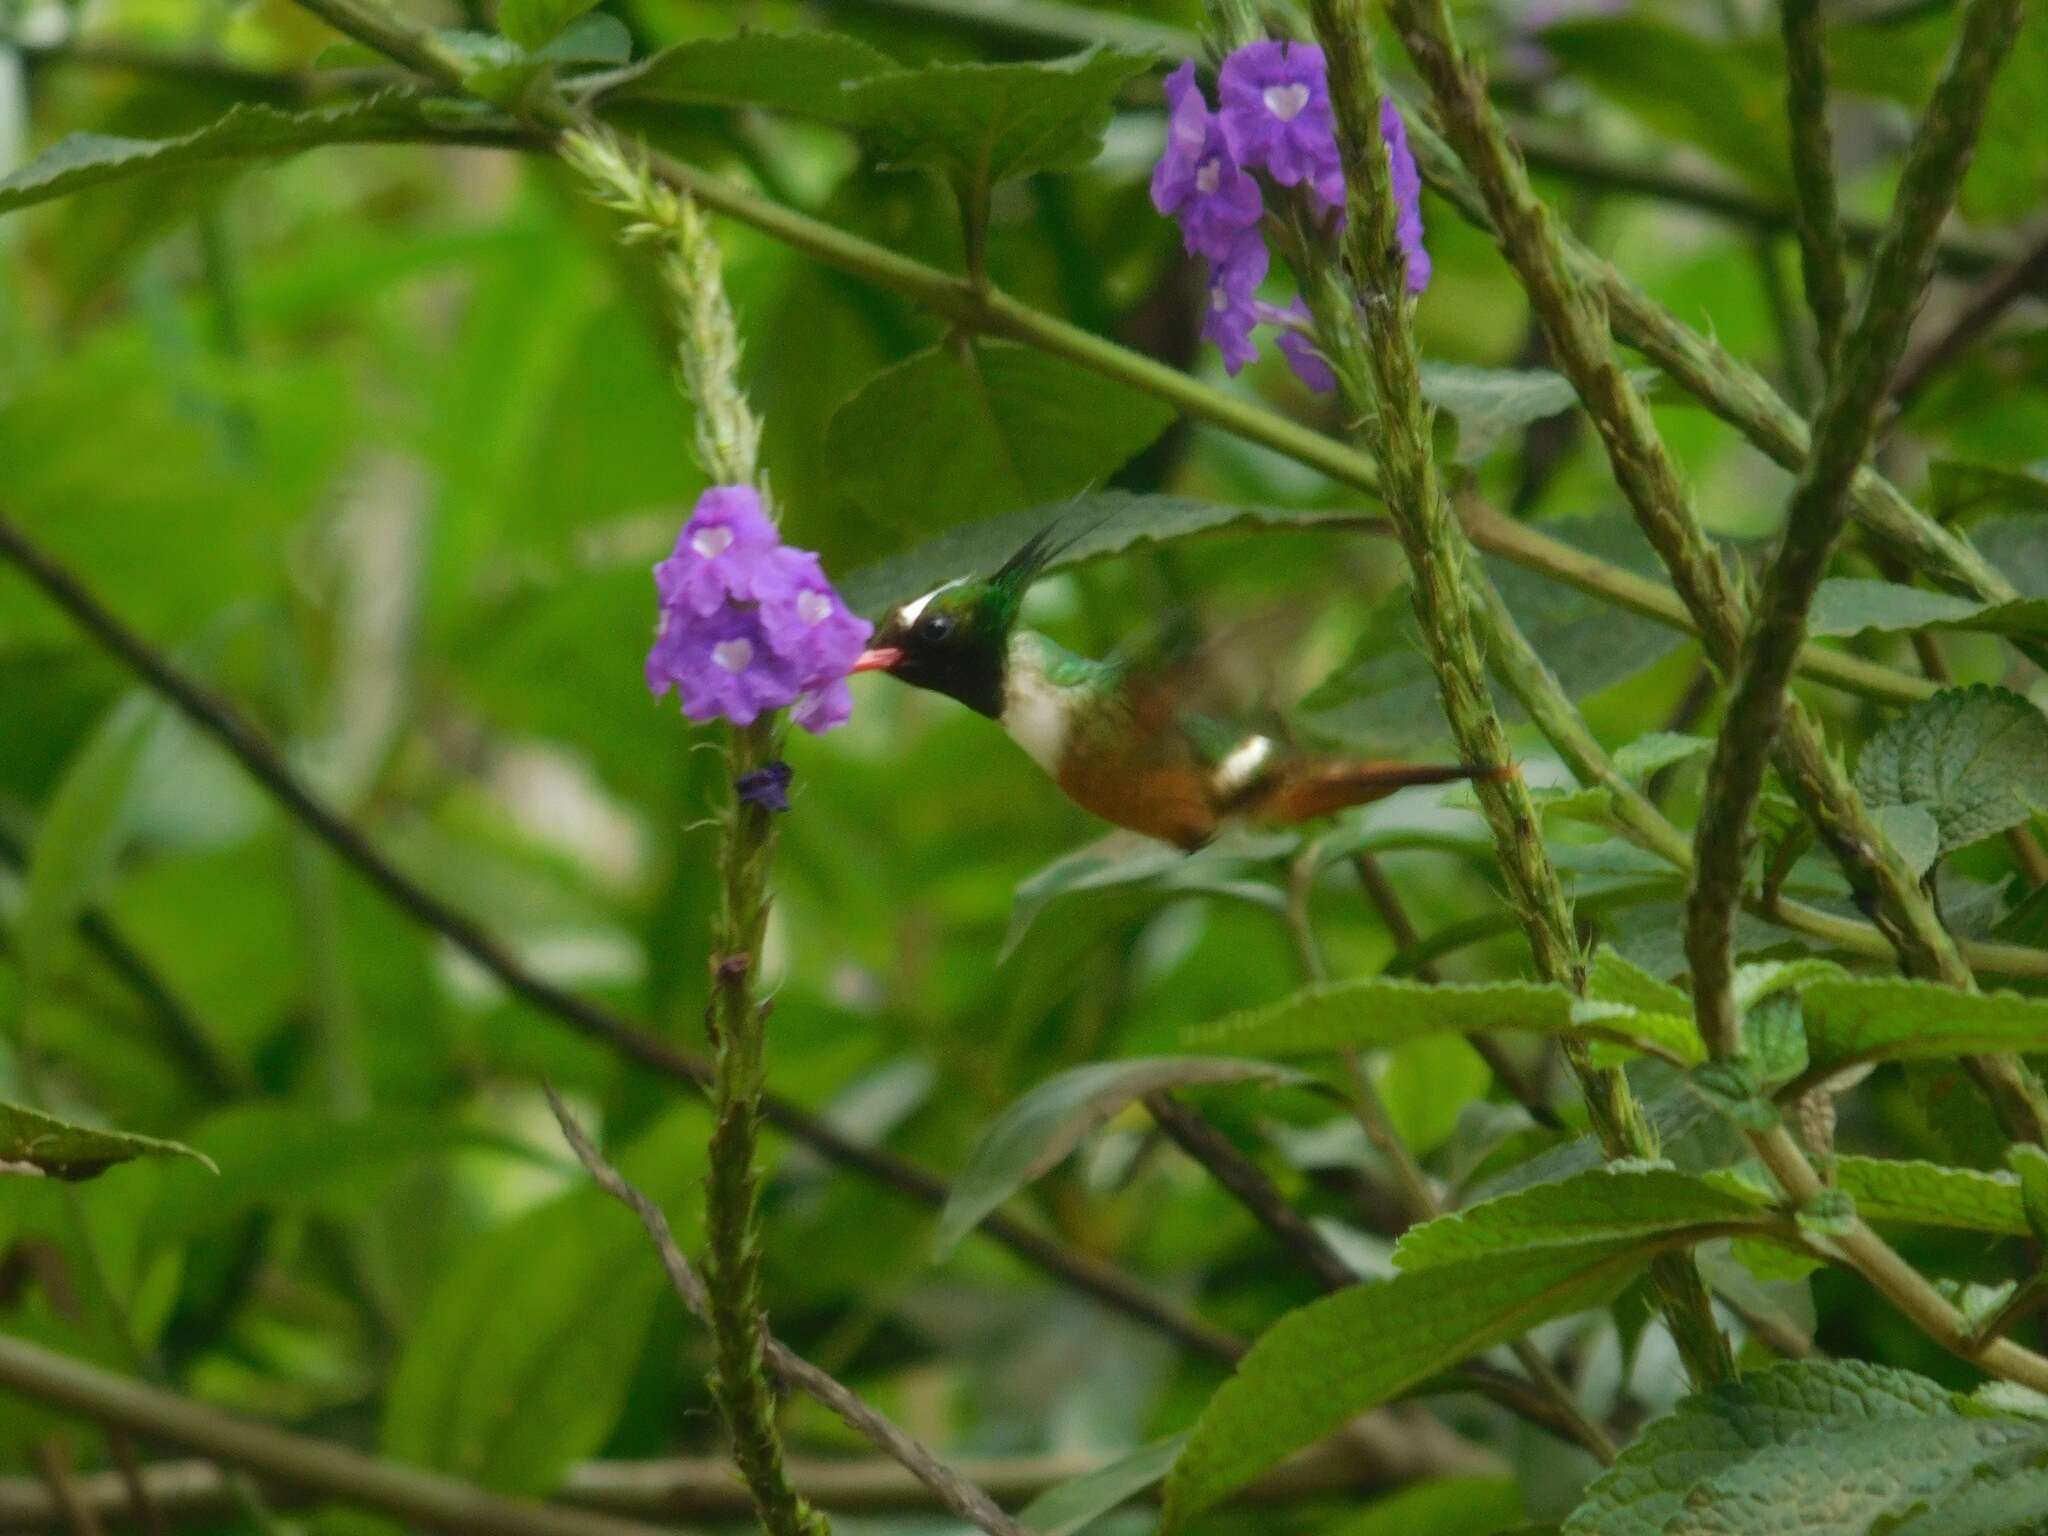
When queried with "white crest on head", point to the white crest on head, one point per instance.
{"points": [[911, 611]]}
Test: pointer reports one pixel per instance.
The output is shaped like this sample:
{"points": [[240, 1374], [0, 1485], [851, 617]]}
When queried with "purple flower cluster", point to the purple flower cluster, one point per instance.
{"points": [[749, 625], [1275, 117]]}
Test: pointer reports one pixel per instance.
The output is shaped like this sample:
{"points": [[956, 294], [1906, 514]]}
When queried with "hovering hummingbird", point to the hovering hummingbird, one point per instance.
{"points": [[1118, 736]]}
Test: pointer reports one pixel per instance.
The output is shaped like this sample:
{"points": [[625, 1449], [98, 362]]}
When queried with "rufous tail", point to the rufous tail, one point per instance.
{"points": [[1302, 791]]}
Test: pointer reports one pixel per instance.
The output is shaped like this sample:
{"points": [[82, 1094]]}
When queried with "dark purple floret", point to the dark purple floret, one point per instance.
{"points": [[767, 787]]}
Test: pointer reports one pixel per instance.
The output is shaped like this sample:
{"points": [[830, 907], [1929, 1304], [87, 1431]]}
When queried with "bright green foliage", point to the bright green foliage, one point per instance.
{"points": [[1488, 404], [523, 1353], [82, 830], [1927, 1194], [1851, 1022], [1382, 1011], [1339, 1356], [245, 135], [1005, 427], [1976, 759], [533, 24], [800, 72], [1102, 523], [33, 1143], [1658, 750], [1720, 1430], [1620, 1200], [1615, 980], [2030, 1164], [979, 124], [1041, 1128], [1072, 1506]]}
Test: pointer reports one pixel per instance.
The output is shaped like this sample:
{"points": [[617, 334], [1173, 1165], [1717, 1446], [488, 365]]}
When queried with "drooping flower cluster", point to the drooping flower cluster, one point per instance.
{"points": [[749, 625], [1274, 117]]}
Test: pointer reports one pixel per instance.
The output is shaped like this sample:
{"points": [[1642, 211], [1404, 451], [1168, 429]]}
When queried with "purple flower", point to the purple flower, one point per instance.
{"points": [[767, 787], [749, 625], [1276, 116], [1230, 309], [1298, 344], [716, 550], [1198, 181], [1407, 195]]}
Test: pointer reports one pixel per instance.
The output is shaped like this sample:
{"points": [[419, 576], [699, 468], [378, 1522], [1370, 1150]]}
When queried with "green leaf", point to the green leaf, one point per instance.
{"points": [[802, 72], [980, 124], [1103, 523], [533, 23], [1930, 1195], [520, 1361], [1851, 605], [1977, 758], [1156, 873], [2026, 923], [1036, 1132], [1620, 1200], [973, 428], [288, 1157], [1856, 1481], [1714, 1431], [32, 1142], [1658, 750], [1073, 1505], [1848, 605], [2029, 1164], [1862, 1020], [1321, 1364], [1445, 1506], [1490, 403], [1615, 980], [1960, 489], [82, 829], [1726, 100], [1382, 699], [244, 134], [1383, 1010], [1733, 1088], [1913, 831]]}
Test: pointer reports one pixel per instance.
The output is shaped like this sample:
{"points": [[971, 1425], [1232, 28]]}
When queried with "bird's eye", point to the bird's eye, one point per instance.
{"points": [[935, 626]]}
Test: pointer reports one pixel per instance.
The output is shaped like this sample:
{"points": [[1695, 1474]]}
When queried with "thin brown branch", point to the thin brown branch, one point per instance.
{"points": [[1980, 312], [955, 1494], [426, 1500]]}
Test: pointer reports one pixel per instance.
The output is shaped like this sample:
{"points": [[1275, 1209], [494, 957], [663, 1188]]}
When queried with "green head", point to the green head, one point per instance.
{"points": [[955, 639]]}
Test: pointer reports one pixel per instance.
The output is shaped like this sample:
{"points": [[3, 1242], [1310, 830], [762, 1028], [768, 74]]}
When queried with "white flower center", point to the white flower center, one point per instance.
{"points": [[814, 607], [733, 655], [1219, 298], [711, 543], [1286, 101], [1208, 176]]}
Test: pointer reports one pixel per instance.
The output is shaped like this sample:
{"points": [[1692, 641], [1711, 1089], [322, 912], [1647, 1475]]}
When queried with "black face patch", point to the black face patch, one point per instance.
{"points": [[948, 650]]}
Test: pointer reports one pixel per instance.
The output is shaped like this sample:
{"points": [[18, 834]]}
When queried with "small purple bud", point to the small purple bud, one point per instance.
{"points": [[767, 787]]}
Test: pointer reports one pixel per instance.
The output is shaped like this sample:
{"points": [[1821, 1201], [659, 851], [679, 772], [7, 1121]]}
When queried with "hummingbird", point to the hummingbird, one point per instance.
{"points": [[1118, 735]]}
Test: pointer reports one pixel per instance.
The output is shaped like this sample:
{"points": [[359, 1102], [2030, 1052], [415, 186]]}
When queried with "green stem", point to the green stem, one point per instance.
{"points": [[1813, 173], [728, 443], [1381, 380], [1814, 522]]}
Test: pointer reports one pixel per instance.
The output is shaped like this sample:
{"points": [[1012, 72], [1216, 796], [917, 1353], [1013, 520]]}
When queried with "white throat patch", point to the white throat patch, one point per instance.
{"points": [[1034, 707]]}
